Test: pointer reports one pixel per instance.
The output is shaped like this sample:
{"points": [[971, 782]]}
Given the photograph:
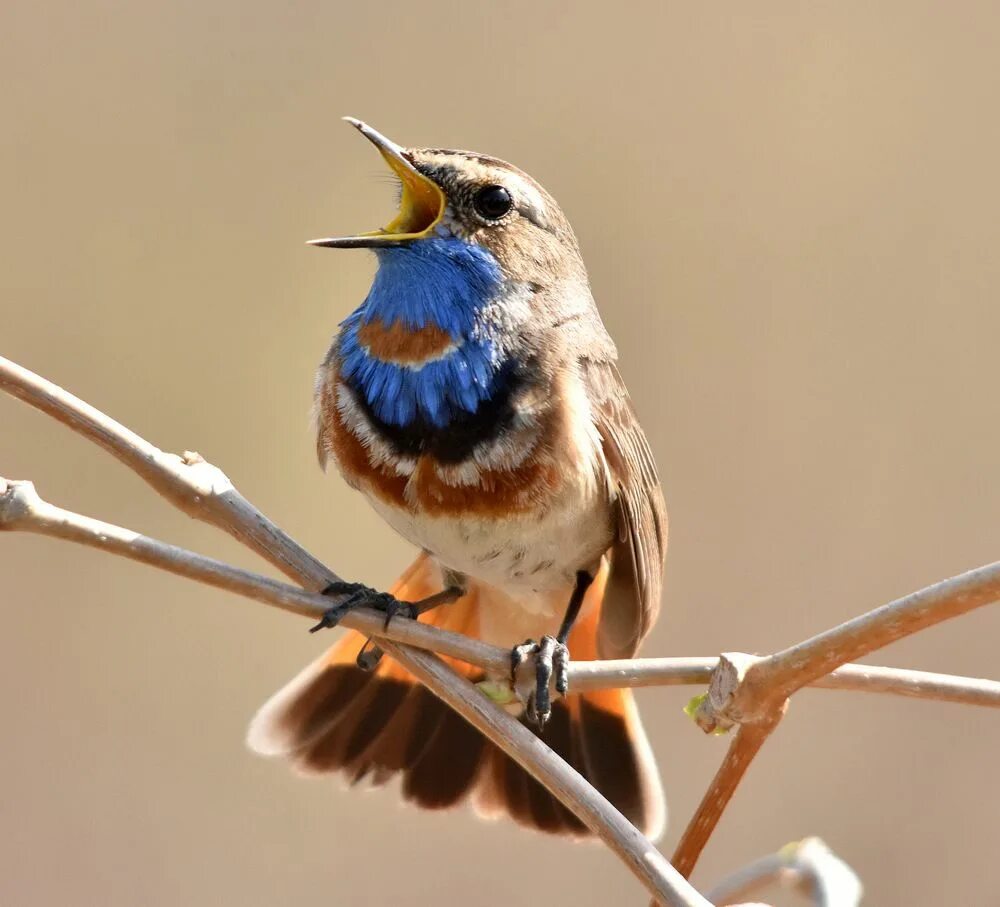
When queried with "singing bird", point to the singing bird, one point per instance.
{"points": [[475, 400]]}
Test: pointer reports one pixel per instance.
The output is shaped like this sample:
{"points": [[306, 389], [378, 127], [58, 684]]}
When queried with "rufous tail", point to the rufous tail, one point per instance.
{"points": [[334, 717]]}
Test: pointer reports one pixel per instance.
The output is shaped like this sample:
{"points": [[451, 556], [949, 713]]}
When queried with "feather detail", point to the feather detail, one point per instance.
{"points": [[333, 717], [638, 554], [403, 345]]}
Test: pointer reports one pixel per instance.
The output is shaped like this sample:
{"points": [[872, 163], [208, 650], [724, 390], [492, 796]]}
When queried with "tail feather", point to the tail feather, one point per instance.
{"points": [[446, 770], [371, 727], [611, 743], [392, 750], [356, 726], [508, 788]]}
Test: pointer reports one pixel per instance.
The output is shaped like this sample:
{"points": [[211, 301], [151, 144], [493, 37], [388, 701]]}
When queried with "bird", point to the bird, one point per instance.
{"points": [[474, 398]]}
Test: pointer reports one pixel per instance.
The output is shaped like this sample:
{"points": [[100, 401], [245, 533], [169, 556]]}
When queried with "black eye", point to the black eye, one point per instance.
{"points": [[492, 202]]}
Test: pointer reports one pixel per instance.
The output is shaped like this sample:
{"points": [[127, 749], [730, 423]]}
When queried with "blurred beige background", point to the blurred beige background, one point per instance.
{"points": [[790, 215]]}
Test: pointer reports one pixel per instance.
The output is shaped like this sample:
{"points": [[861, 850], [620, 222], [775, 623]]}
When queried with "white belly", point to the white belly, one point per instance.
{"points": [[530, 562], [520, 554], [528, 542]]}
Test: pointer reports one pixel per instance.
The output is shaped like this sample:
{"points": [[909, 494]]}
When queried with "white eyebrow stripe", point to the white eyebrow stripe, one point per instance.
{"points": [[530, 204]]}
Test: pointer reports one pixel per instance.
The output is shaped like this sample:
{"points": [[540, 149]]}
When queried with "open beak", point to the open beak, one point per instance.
{"points": [[421, 202]]}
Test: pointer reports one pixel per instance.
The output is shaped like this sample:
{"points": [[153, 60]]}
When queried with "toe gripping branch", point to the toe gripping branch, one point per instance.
{"points": [[361, 596], [551, 659]]}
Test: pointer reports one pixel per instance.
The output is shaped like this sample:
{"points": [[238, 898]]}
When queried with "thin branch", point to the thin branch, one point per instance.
{"points": [[913, 684], [808, 865], [793, 668], [218, 503], [662, 672], [198, 488], [571, 789], [753, 692], [22, 509], [744, 690], [746, 744]]}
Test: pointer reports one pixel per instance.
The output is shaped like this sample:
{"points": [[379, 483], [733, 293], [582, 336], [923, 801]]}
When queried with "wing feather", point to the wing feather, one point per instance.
{"points": [[632, 601]]}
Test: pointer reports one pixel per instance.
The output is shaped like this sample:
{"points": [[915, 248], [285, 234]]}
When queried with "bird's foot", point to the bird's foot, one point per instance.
{"points": [[361, 596], [551, 658]]}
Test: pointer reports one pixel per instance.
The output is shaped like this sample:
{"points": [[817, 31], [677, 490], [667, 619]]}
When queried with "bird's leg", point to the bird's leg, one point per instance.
{"points": [[362, 596], [358, 596], [551, 656], [371, 654]]}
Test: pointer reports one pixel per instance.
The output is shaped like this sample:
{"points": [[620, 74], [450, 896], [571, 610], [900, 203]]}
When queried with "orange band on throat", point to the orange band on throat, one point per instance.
{"points": [[400, 344]]}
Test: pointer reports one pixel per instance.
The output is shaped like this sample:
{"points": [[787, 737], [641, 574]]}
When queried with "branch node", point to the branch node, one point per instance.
{"points": [[726, 703], [745, 690], [18, 499]]}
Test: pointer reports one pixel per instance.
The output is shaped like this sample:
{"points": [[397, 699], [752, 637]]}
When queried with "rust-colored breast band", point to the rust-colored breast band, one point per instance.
{"points": [[403, 345]]}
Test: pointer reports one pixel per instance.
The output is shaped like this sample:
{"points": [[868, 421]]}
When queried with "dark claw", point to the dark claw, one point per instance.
{"points": [[361, 596], [369, 656], [543, 675], [560, 667], [551, 661], [330, 619], [394, 607]]}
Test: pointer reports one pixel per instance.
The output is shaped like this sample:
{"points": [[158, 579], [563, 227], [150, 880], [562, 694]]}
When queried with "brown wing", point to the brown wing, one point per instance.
{"points": [[632, 600]]}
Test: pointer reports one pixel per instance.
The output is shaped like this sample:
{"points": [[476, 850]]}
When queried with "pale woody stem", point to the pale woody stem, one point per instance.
{"points": [[756, 699]]}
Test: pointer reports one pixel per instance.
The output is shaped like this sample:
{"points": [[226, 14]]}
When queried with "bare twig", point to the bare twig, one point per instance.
{"points": [[752, 692], [22, 509], [808, 865], [217, 502], [206, 493], [535, 756], [201, 490], [915, 684], [746, 744], [745, 690], [792, 668], [661, 672]]}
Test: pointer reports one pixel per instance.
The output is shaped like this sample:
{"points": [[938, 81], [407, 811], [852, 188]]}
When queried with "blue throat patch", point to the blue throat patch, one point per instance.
{"points": [[444, 283]]}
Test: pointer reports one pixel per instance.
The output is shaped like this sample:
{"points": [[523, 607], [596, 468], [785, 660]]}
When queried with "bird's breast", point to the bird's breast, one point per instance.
{"points": [[397, 344], [523, 507], [441, 402]]}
